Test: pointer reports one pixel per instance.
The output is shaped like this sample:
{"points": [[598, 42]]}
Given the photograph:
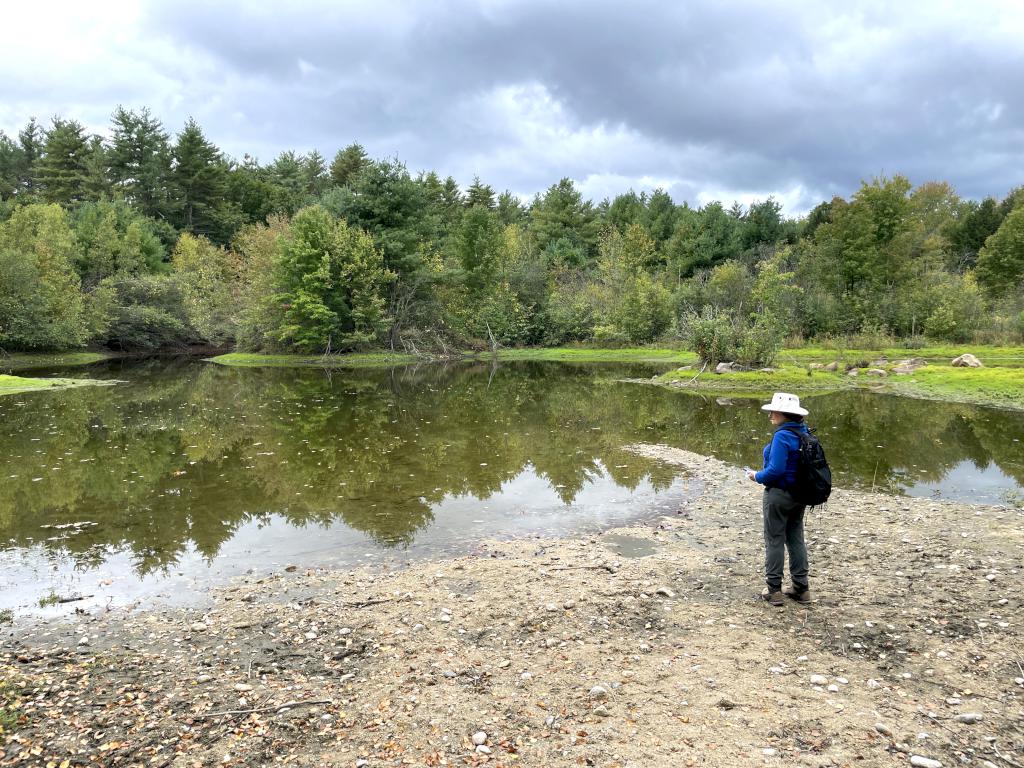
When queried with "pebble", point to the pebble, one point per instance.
{"points": [[818, 680], [199, 626], [597, 692], [970, 718], [842, 680], [526, 676], [601, 711], [445, 618], [990, 577], [665, 591], [483, 749], [83, 641], [776, 670], [883, 729], [833, 688], [480, 737], [243, 687], [769, 752], [924, 762], [360, 763], [204, 678]]}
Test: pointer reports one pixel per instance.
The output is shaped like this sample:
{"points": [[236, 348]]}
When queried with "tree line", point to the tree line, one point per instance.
{"points": [[142, 240]]}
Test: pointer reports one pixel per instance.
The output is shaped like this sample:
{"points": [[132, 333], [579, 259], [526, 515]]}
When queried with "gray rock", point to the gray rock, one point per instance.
{"points": [[601, 711], [924, 762], [483, 749], [883, 729], [597, 692], [819, 680], [853, 372], [833, 366], [480, 737], [966, 361], [875, 372], [199, 626], [970, 718]]}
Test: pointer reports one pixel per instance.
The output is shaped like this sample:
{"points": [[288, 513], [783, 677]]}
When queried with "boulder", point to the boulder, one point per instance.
{"points": [[883, 360], [816, 366], [729, 368], [904, 367], [833, 366], [875, 372], [853, 372], [966, 360]]}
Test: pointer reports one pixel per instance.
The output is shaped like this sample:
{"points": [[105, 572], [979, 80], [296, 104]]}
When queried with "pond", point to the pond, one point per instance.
{"points": [[189, 473]]}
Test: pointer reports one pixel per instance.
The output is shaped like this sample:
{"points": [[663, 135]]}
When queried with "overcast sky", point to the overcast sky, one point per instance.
{"points": [[709, 100]]}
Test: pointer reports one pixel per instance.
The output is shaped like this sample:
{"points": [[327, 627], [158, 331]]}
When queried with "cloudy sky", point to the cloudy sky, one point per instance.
{"points": [[715, 99]]}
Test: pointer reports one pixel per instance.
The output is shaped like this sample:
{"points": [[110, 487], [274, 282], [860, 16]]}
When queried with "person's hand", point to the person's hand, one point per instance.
{"points": [[751, 475]]}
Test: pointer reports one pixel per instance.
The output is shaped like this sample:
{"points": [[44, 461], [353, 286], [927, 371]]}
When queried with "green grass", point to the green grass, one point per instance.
{"points": [[368, 359], [354, 360], [1013, 356], [21, 362], [6, 616], [992, 385], [47, 600], [14, 384], [596, 355]]}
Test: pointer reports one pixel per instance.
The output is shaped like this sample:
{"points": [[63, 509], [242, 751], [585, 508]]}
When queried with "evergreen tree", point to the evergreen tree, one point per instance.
{"points": [[562, 214], [10, 163], [317, 177], [63, 169], [1001, 261], [199, 175], [510, 209], [347, 164], [31, 139], [479, 194], [140, 163]]}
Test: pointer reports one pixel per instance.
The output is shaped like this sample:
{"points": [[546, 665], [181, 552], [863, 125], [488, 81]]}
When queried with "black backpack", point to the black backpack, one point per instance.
{"points": [[813, 475]]}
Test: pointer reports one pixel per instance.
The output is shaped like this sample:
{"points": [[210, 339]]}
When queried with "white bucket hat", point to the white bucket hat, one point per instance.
{"points": [[783, 402]]}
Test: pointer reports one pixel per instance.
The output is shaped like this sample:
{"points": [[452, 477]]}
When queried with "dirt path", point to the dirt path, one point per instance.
{"points": [[568, 652]]}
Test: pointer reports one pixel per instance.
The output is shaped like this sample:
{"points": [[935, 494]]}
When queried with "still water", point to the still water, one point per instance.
{"points": [[189, 473]]}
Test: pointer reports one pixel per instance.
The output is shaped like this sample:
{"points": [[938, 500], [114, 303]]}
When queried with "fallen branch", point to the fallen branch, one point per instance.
{"points": [[73, 598], [275, 708]]}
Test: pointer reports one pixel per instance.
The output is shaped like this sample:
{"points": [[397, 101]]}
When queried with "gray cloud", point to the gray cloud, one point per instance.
{"points": [[707, 99]]}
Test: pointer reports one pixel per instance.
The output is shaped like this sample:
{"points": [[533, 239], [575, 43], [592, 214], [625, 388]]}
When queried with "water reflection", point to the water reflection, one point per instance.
{"points": [[188, 463]]}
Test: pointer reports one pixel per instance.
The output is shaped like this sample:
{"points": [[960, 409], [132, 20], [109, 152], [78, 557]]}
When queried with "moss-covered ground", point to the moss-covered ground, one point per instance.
{"points": [[359, 359], [22, 362], [12, 384], [1000, 383]]}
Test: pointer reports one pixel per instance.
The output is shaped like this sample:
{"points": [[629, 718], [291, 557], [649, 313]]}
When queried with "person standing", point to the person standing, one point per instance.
{"points": [[783, 514]]}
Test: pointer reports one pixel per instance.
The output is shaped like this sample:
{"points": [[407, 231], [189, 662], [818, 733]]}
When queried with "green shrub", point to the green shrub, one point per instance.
{"points": [[710, 334]]}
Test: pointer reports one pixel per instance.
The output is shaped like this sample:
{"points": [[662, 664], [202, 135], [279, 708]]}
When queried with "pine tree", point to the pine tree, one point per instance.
{"points": [[140, 162], [62, 170], [347, 163], [200, 178]]}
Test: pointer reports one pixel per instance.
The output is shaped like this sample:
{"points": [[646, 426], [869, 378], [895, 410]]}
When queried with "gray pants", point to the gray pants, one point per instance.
{"points": [[784, 529]]}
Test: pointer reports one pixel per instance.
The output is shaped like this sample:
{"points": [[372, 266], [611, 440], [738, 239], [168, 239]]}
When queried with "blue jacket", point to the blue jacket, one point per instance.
{"points": [[780, 457]]}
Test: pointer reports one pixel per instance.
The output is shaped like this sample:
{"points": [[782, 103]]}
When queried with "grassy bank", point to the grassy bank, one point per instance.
{"points": [[363, 359], [13, 384], [354, 360], [25, 361], [1000, 383]]}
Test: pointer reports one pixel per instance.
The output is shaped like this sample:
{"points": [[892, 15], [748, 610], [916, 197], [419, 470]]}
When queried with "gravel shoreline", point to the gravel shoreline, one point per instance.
{"points": [[645, 646]]}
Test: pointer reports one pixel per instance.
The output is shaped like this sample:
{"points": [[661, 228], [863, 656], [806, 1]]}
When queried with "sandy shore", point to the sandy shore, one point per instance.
{"points": [[645, 646]]}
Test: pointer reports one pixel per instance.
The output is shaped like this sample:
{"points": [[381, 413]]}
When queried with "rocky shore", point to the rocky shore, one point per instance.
{"points": [[645, 647]]}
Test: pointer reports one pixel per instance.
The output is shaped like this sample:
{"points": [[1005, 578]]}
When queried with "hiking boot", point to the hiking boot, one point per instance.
{"points": [[801, 596], [773, 597]]}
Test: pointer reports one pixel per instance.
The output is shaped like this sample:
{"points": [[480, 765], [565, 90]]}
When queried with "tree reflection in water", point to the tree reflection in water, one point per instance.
{"points": [[184, 454]]}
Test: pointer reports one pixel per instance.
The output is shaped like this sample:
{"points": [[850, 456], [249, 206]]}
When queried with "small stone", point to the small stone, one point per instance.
{"points": [[874, 684], [361, 763], [84, 640], [768, 752], [483, 749], [444, 618], [204, 678], [551, 607], [970, 718], [801, 658], [601, 711], [833, 688], [953, 701], [665, 592], [597, 692], [924, 762], [480, 737], [449, 673], [776, 670], [842, 681], [526, 676], [819, 680], [883, 729], [242, 687], [199, 626], [990, 577]]}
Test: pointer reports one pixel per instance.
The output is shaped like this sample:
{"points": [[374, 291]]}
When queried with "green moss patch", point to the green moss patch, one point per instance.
{"points": [[22, 362], [13, 384], [360, 359]]}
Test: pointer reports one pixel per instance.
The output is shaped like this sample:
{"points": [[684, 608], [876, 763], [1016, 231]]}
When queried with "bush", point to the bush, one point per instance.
{"points": [[710, 334], [759, 343]]}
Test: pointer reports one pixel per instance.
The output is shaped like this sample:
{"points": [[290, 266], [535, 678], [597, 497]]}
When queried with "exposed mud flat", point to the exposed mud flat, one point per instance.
{"points": [[645, 646]]}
